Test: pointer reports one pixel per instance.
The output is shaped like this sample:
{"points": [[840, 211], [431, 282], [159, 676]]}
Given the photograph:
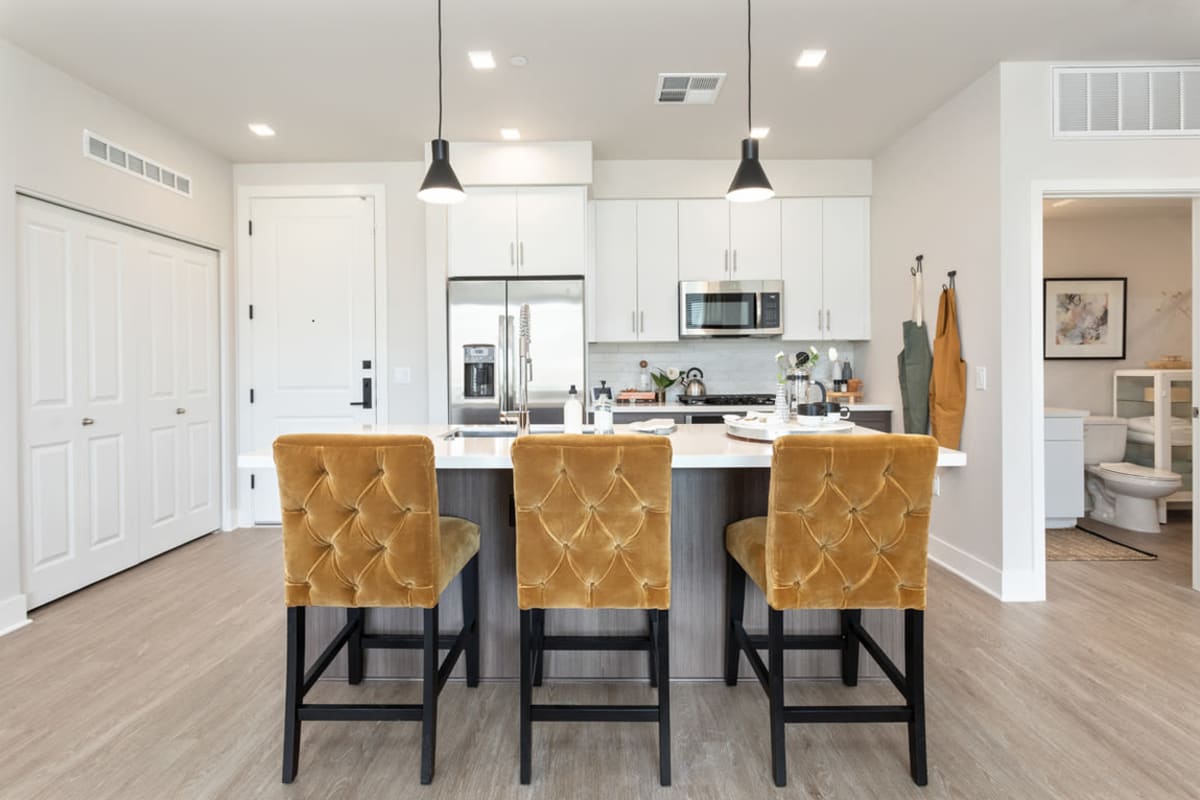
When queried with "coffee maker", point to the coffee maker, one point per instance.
{"points": [[479, 370]]}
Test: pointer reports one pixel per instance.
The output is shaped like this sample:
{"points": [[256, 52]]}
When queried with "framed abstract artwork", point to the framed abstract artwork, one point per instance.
{"points": [[1084, 318]]}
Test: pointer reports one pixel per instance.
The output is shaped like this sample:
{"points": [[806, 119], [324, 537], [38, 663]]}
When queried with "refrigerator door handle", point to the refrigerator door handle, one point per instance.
{"points": [[510, 366], [501, 382]]}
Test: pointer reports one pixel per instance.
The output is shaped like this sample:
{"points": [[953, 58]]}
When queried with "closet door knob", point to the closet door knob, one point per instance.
{"points": [[87, 421]]}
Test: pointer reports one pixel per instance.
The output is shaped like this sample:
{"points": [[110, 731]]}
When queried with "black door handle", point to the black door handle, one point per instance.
{"points": [[366, 394]]}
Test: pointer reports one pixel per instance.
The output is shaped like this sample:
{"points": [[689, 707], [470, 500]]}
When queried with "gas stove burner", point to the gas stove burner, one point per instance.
{"points": [[729, 400]]}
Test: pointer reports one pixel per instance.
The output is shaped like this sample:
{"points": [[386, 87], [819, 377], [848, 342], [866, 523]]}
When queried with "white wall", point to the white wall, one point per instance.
{"points": [[407, 321], [710, 178], [1155, 254], [936, 193], [1032, 162], [44, 114]]}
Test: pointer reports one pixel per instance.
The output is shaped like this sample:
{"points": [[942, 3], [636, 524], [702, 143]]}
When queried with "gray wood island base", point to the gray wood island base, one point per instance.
{"points": [[715, 480]]}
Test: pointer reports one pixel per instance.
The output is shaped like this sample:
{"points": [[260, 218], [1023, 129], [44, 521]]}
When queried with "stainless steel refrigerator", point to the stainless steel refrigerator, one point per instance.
{"points": [[482, 319]]}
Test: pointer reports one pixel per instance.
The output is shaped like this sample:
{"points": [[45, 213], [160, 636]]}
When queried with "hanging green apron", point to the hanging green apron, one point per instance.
{"points": [[915, 365]]}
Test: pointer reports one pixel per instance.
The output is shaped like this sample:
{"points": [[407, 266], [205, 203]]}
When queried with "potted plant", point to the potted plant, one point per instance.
{"points": [[664, 379]]}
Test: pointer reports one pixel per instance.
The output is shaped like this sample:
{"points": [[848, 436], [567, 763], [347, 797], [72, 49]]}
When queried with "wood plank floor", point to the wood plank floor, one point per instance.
{"points": [[166, 682]]}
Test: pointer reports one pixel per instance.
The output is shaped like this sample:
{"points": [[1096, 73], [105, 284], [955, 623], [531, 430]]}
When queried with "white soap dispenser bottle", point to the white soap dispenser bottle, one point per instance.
{"points": [[573, 412]]}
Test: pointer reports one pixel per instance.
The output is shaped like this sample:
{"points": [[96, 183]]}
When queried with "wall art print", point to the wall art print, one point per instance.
{"points": [[1084, 318]]}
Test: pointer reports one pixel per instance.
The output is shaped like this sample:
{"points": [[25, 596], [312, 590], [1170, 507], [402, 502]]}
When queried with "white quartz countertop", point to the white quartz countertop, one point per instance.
{"points": [[1051, 411], [694, 446], [680, 408]]}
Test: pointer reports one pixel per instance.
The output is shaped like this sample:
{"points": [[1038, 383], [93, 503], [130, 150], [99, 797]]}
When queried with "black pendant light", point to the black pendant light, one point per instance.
{"points": [[441, 184], [750, 183]]}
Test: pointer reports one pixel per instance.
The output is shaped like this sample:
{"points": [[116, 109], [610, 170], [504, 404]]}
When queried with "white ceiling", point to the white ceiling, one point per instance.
{"points": [[1110, 207], [355, 79]]}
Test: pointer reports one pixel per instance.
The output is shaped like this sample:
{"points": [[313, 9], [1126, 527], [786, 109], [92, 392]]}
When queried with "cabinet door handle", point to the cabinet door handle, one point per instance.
{"points": [[643, 322], [735, 260], [521, 254], [727, 261], [181, 411], [512, 254], [633, 320], [819, 326], [828, 320], [87, 421]]}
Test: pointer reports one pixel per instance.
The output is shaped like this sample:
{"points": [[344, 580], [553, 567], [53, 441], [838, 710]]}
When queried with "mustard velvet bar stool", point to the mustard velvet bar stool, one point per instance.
{"points": [[593, 531], [361, 530], [847, 527]]}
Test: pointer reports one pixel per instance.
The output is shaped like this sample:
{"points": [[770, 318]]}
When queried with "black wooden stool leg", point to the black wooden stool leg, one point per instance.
{"points": [[850, 646], [539, 653], [775, 695], [293, 691], [652, 650], [526, 697], [354, 647], [429, 692], [662, 641], [470, 604], [735, 603], [914, 676]]}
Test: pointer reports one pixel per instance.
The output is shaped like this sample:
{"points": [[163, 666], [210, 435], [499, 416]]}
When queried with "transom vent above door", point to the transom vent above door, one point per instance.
{"points": [[120, 157], [688, 88], [1145, 100]]}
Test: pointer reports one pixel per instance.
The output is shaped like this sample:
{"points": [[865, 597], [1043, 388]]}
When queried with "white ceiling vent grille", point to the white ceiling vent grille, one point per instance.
{"points": [[685, 88], [1137, 101], [120, 157]]}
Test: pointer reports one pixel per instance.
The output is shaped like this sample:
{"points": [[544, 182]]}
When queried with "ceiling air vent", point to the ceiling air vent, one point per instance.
{"points": [[686, 88], [120, 157], [1141, 101]]}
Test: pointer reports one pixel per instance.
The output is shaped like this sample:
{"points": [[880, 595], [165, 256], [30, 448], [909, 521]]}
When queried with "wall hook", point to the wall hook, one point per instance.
{"points": [[950, 275], [918, 269]]}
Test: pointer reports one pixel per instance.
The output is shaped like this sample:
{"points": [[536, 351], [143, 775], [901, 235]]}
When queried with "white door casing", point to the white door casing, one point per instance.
{"points": [[312, 286], [1195, 400]]}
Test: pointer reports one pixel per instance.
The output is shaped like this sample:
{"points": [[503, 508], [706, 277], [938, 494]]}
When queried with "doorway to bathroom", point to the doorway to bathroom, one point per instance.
{"points": [[1119, 335]]}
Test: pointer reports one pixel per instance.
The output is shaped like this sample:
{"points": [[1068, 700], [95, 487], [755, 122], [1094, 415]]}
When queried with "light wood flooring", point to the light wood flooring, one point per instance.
{"points": [[166, 682]]}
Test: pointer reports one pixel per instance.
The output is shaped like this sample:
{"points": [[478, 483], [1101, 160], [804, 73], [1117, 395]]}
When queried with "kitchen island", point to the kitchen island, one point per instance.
{"points": [[715, 479]]}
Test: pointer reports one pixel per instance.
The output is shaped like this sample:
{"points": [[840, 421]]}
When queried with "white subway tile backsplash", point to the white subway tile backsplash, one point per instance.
{"points": [[730, 365]]}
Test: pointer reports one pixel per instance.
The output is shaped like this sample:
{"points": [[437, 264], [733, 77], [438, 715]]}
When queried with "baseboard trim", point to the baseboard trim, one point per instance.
{"points": [[971, 569], [13, 614]]}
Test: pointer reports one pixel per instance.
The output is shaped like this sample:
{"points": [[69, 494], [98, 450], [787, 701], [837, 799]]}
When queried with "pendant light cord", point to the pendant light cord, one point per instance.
{"points": [[439, 15], [749, 81]]}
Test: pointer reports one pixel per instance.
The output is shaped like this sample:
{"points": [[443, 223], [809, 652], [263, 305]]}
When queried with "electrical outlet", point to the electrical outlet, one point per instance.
{"points": [[402, 375], [937, 486], [981, 378]]}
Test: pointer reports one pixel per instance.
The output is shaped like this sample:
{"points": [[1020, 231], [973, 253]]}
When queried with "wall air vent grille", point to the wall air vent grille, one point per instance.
{"points": [[120, 157], [1139, 101], [683, 88]]}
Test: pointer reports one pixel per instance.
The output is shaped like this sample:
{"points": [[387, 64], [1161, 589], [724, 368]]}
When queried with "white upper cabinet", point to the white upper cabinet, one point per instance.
{"points": [[658, 270], [538, 230], [615, 284], [803, 307], [551, 230], [723, 241], [636, 279], [754, 241], [846, 262], [482, 233], [704, 240]]}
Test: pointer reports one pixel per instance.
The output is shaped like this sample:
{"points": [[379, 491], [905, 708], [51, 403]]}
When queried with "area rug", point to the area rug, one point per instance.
{"points": [[1076, 544]]}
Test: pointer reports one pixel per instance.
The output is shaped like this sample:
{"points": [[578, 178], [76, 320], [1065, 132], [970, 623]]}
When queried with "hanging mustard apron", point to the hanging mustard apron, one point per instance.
{"points": [[948, 385]]}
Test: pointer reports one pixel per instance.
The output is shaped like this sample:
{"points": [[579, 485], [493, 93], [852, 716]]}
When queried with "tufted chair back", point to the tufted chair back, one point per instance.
{"points": [[360, 520], [593, 521], [848, 521]]}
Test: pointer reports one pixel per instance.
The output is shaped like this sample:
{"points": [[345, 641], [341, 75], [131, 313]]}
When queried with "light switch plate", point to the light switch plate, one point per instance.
{"points": [[402, 375], [981, 378]]}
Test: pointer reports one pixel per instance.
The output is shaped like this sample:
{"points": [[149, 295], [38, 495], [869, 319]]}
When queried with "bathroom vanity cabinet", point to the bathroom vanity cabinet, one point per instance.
{"points": [[1064, 466]]}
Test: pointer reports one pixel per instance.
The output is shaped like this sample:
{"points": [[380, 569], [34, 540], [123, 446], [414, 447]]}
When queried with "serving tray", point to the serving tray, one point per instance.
{"points": [[768, 430]]}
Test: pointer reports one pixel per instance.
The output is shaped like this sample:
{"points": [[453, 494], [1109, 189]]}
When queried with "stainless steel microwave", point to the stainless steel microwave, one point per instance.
{"points": [[730, 308]]}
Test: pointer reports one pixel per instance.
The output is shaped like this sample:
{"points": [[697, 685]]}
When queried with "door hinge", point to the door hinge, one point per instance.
{"points": [[251, 395], [250, 227], [251, 480], [252, 311]]}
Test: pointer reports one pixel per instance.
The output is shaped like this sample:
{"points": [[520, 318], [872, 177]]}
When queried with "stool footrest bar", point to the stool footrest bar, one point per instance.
{"points": [[357, 712], [593, 713], [847, 714]]}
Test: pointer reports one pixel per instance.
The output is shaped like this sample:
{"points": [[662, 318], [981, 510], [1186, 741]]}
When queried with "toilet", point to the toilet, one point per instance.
{"points": [[1119, 493]]}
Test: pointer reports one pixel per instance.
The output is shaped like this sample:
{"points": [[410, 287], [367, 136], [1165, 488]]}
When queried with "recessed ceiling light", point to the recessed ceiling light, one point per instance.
{"points": [[511, 134], [810, 58], [1062, 203], [261, 129], [482, 59], [519, 61], [760, 132]]}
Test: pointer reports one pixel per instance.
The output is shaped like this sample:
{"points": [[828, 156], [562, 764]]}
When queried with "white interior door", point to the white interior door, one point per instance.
{"points": [[312, 276], [180, 402], [78, 387]]}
